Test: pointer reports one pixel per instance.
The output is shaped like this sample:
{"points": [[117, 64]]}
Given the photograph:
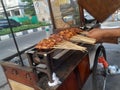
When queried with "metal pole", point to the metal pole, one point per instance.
{"points": [[12, 33], [82, 19], [51, 14]]}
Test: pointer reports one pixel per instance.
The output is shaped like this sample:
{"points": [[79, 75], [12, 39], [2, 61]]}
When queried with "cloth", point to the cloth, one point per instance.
{"points": [[92, 53], [56, 80]]}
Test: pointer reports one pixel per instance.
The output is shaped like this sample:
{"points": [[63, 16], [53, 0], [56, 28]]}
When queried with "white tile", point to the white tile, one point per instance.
{"points": [[30, 30], [4, 37], [18, 33]]}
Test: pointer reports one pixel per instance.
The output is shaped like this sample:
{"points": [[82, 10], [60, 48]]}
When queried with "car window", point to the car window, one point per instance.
{"points": [[6, 22]]}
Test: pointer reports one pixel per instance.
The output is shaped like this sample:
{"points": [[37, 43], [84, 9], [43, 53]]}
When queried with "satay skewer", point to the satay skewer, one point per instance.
{"points": [[60, 41]]}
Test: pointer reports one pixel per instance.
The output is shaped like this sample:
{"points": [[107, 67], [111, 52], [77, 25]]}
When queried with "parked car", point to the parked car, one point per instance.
{"points": [[4, 23]]}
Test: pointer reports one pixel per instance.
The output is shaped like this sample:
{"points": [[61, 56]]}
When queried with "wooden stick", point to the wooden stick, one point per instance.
{"points": [[69, 45], [84, 32], [80, 38]]}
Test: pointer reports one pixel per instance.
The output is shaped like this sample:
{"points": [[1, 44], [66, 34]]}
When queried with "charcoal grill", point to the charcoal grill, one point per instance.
{"points": [[47, 61]]}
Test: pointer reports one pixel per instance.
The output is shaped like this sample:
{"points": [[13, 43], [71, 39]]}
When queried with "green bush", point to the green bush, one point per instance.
{"points": [[27, 22], [22, 28]]}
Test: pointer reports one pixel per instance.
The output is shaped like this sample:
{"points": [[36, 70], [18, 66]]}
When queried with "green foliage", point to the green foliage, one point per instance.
{"points": [[43, 23], [1, 17], [22, 28], [29, 9], [27, 22]]}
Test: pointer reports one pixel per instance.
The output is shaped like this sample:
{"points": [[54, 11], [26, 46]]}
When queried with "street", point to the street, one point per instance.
{"points": [[113, 58], [7, 47]]}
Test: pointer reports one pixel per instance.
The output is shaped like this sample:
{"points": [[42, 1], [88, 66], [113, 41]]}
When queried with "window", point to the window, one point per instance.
{"points": [[17, 12], [66, 13]]}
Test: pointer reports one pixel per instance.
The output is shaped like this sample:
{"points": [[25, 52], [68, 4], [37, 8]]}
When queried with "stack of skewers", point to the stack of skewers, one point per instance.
{"points": [[64, 40]]}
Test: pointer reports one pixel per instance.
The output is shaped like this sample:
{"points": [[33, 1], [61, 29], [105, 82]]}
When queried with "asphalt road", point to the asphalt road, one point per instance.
{"points": [[113, 58], [7, 47]]}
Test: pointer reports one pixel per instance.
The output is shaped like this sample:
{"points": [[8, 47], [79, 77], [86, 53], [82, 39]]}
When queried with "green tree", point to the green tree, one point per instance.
{"points": [[29, 9]]}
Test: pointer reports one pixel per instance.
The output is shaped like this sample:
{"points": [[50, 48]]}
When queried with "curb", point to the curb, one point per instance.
{"points": [[3, 37]]}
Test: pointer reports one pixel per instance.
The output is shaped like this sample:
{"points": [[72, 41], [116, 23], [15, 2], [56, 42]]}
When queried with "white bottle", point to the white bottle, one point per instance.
{"points": [[47, 33]]}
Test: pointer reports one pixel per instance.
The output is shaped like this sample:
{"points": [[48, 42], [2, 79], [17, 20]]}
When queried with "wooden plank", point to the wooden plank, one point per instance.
{"points": [[19, 86], [24, 75], [100, 9], [84, 70]]}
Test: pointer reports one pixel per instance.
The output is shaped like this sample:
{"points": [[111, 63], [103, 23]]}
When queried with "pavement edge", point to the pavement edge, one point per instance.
{"points": [[3, 37]]}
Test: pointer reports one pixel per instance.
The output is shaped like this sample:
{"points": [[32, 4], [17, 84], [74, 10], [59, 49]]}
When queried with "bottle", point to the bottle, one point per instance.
{"points": [[47, 33]]}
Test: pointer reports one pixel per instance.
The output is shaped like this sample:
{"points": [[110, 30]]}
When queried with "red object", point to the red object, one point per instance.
{"points": [[103, 61]]}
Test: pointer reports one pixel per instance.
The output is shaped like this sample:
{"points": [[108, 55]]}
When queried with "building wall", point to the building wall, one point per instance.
{"points": [[42, 10], [9, 3], [13, 7]]}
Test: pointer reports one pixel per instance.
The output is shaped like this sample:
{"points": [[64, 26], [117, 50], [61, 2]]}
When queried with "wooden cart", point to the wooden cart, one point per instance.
{"points": [[74, 72]]}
